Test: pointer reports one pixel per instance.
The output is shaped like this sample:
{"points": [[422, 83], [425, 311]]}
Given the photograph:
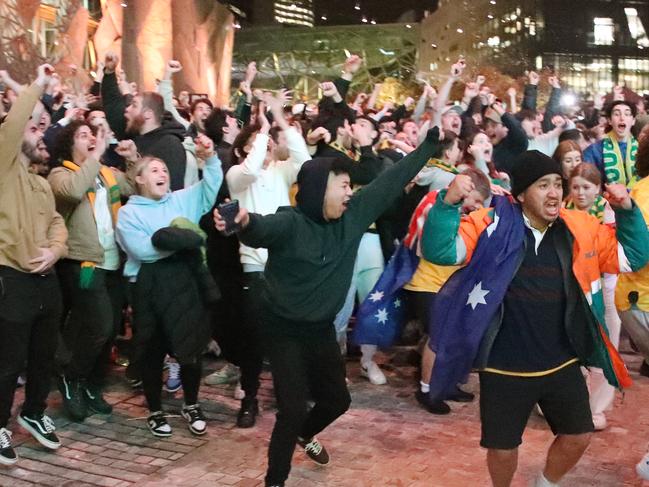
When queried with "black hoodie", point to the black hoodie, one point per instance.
{"points": [[310, 260], [166, 143]]}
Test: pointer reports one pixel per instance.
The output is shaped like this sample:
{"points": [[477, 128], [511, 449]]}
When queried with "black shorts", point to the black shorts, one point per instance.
{"points": [[507, 401]]}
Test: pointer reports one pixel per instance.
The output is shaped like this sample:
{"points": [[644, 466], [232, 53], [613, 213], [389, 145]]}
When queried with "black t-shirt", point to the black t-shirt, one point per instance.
{"points": [[532, 336]]}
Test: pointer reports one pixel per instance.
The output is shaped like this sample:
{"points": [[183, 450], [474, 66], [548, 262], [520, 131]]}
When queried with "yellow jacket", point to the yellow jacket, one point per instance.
{"points": [[638, 281]]}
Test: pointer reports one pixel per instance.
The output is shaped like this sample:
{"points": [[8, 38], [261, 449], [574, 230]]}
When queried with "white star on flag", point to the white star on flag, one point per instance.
{"points": [[492, 228], [397, 303], [376, 296], [382, 316], [476, 296]]}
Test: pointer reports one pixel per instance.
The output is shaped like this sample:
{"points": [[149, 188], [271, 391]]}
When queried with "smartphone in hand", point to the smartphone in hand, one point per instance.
{"points": [[229, 212]]}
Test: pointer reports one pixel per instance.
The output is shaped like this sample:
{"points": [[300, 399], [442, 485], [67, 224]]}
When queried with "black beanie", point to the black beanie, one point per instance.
{"points": [[312, 184], [529, 167]]}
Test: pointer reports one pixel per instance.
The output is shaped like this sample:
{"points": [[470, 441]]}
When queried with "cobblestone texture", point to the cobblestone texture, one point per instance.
{"points": [[385, 440]]}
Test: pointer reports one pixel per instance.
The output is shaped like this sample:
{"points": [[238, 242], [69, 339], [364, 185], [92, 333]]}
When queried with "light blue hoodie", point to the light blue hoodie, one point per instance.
{"points": [[141, 217]]}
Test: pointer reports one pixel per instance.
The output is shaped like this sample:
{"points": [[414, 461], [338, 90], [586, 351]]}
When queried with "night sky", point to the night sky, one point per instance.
{"points": [[383, 11], [340, 12]]}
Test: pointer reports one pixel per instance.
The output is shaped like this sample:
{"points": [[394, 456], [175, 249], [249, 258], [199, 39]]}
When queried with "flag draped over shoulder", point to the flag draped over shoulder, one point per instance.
{"points": [[466, 304], [381, 315]]}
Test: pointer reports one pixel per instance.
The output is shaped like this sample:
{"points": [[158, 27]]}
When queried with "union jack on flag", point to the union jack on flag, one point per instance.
{"points": [[381, 316]]}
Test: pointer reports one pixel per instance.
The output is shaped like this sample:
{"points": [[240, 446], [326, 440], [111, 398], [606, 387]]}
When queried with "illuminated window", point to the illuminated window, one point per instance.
{"points": [[603, 29], [636, 28]]}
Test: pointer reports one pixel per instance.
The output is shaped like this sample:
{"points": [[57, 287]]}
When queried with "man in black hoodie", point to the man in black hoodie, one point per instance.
{"points": [[311, 254], [143, 118]]}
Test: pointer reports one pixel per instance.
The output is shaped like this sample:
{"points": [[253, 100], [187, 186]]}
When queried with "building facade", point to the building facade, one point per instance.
{"points": [[300, 58], [285, 12], [592, 44]]}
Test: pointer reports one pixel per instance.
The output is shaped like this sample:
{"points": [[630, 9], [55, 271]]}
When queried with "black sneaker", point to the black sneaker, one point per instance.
{"points": [[248, 413], [433, 407], [460, 396], [158, 426], [95, 401], [7, 453], [73, 400], [314, 450], [195, 419], [644, 369], [42, 428]]}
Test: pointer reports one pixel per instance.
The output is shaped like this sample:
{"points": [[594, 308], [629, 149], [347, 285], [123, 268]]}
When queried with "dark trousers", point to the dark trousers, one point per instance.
{"points": [[93, 322], [240, 340], [227, 315], [30, 313], [153, 357], [250, 353], [304, 367]]}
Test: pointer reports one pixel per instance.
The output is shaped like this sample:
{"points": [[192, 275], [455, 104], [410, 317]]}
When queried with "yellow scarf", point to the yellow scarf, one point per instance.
{"points": [[107, 176]]}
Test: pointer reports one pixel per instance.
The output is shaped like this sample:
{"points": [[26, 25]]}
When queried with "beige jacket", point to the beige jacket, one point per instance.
{"points": [[69, 188], [28, 218]]}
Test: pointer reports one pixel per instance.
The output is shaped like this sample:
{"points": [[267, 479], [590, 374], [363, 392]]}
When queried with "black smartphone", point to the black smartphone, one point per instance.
{"points": [[229, 212]]}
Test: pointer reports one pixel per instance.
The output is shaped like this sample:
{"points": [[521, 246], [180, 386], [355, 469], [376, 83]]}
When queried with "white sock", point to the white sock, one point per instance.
{"points": [[541, 481], [423, 387], [368, 352]]}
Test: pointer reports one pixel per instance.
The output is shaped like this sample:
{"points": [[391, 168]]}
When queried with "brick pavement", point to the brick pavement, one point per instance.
{"points": [[385, 440]]}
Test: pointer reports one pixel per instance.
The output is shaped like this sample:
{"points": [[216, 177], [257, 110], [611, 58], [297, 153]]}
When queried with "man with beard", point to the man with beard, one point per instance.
{"points": [[143, 119], [32, 238], [38, 159]]}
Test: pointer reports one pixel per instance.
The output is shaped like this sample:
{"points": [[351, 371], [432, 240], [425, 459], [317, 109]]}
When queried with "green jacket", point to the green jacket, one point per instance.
{"points": [[310, 264]]}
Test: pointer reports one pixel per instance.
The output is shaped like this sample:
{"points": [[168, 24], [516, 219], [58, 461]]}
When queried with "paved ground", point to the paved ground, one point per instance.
{"points": [[384, 440]]}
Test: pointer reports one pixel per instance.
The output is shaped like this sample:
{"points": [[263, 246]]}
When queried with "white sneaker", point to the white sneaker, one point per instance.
{"points": [[599, 421], [239, 393], [541, 481], [373, 373], [642, 468], [228, 374]]}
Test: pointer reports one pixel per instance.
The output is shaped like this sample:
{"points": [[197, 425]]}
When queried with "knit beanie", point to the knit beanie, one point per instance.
{"points": [[529, 167]]}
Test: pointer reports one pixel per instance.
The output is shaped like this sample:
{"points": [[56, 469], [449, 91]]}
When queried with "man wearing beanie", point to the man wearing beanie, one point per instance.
{"points": [[311, 253], [527, 309]]}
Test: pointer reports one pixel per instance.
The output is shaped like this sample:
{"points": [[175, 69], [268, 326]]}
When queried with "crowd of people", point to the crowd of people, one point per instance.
{"points": [[516, 239]]}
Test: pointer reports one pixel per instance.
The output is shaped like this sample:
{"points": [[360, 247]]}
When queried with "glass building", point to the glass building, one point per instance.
{"points": [[592, 44], [294, 12]]}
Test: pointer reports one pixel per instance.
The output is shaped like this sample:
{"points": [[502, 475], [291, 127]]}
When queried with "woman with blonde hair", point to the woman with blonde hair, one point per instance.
{"points": [[159, 232]]}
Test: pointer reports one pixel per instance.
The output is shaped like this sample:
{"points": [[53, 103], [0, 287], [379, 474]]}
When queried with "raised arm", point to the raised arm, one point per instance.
{"points": [[531, 91], [445, 91], [112, 98], [165, 88], [241, 176], [554, 104], [628, 249], [199, 198], [446, 239], [9, 82], [11, 131], [371, 201]]}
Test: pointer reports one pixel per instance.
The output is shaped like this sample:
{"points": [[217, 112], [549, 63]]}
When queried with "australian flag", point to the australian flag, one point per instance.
{"points": [[381, 315], [469, 300]]}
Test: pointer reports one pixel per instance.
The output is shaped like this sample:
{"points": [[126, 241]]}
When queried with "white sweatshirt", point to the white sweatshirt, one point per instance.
{"points": [[263, 190]]}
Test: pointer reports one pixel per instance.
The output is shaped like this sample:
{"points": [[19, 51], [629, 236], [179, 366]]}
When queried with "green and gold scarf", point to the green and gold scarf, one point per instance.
{"points": [[597, 209], [440, 164], [620, 169], [107, 176]]}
